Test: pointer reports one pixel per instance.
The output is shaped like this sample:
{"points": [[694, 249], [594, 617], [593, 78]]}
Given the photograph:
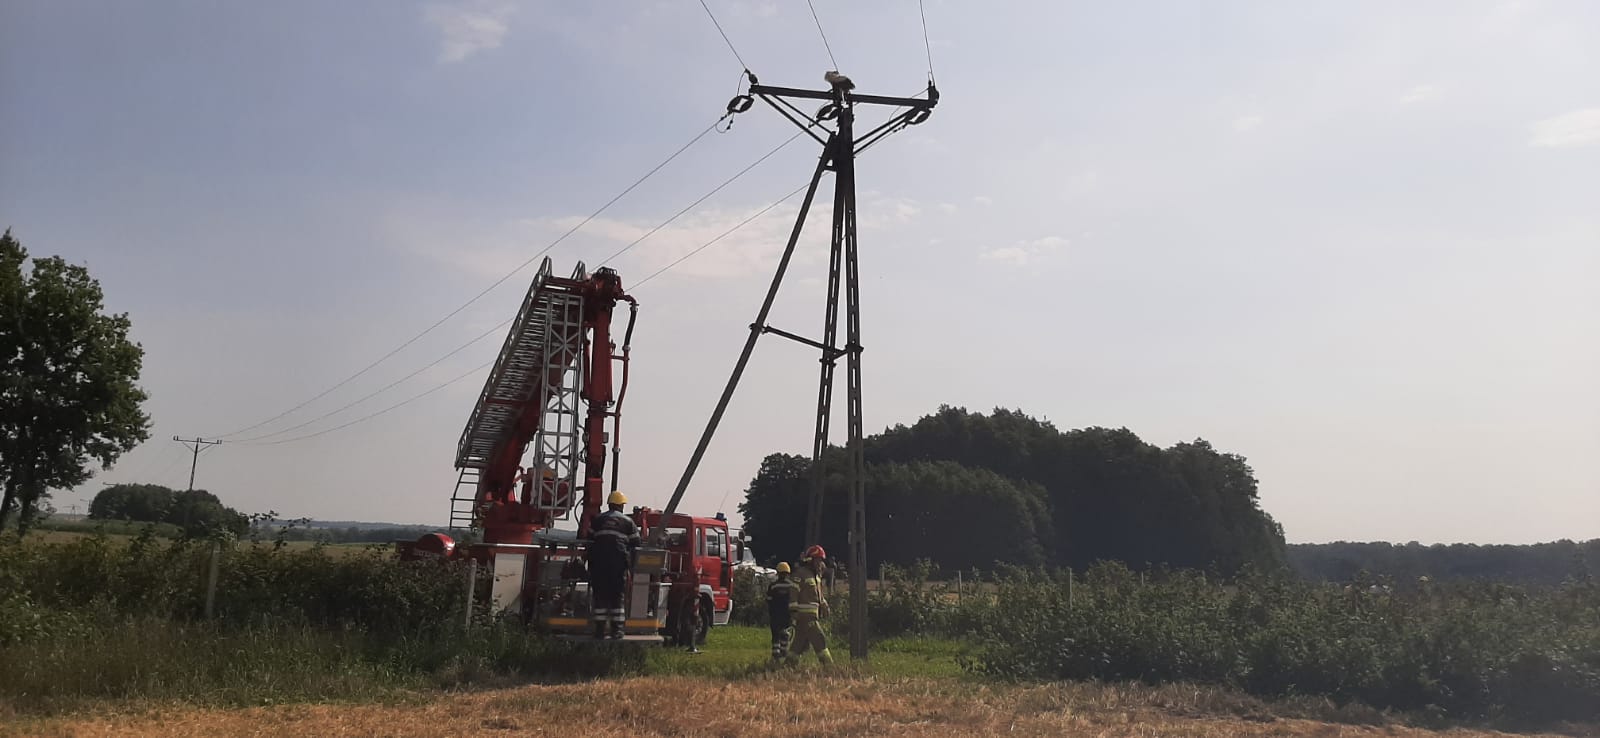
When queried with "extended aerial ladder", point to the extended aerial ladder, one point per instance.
{"points": [[533, 454], [557, 353]]}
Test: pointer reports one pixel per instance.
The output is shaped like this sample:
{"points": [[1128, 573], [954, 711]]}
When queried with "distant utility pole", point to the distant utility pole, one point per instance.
{"points": [[196, 445]]}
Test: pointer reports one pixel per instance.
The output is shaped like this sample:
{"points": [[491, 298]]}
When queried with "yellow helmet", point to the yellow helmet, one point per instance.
{"points": [[617, 498], [783, 567]]}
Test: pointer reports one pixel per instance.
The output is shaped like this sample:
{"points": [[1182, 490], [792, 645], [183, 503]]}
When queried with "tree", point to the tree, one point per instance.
{"points": [[68, 373], [963, 489], [197, 512], [953, 515]]}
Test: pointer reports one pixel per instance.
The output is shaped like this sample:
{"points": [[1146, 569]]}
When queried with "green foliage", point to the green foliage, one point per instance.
{"points": [[1468, 651], [1537, 564], [67, 380], [749, 598], [970, 490], [1109, 495], [196, 512], [969, 517]]}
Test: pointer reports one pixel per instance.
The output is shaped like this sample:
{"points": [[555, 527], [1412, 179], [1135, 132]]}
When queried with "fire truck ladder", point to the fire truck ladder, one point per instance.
{"points": [[540, 362]]}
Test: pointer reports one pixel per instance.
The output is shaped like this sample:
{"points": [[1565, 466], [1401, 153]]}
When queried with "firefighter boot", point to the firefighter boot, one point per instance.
{"points": [[825, 657], [599, 630], [616, 630]]}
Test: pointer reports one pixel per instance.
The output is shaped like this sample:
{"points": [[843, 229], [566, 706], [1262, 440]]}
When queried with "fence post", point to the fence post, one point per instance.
{"points": [[958, 587], [472, 583], [1069, 588], [880, 578], [211, 579]]}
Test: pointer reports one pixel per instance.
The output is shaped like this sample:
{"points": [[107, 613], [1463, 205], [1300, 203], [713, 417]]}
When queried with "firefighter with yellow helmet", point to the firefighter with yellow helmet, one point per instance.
{"points": [[613, 537], [780, 596], [810, 606]]}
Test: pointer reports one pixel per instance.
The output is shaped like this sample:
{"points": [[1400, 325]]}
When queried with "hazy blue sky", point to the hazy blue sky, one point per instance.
{"points": [[1358, 242]]}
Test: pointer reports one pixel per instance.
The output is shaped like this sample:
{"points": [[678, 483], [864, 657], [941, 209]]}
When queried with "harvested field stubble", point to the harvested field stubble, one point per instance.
{"points": [[780, 704]]}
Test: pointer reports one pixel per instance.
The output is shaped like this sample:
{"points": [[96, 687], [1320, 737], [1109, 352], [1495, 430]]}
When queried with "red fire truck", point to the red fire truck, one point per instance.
{"points": [[533, 456]]}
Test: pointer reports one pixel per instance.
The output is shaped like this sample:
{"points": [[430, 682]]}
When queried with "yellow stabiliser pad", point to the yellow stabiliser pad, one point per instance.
{"points": [[584, 623]]}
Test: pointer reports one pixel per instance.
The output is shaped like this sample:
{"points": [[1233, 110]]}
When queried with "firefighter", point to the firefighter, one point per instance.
{"points": [[810, 606], [612, 540], [780, 595]]}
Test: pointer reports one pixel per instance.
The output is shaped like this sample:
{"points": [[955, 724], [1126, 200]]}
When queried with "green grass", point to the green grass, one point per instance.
{"points": [[737, 650], [106, 661]]}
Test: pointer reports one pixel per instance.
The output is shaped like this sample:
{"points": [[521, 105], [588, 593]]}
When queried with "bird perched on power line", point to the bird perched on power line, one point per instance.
{"points": [[839, 81]]}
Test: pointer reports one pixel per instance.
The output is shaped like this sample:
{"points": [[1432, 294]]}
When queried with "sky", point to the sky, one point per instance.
{"points": [[1357, 243]]}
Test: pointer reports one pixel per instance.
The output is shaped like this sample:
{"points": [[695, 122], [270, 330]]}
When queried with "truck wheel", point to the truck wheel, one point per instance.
{"points": [[705, 621]]}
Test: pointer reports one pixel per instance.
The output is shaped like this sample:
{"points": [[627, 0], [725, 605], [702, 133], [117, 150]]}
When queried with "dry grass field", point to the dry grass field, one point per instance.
{"points": [[780, 704]]}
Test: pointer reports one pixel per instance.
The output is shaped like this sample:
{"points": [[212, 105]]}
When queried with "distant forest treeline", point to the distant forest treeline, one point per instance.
{"points": [[971, 490], [1537, 564]]}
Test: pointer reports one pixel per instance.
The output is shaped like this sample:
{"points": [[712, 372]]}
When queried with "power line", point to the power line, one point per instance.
{"points": [[925, 43], [724, 234], [260, 440], [737, 226], [823, 35], [383, 389], [636, 285], [491, 287], [703, 198], [724, 35], [395, 406]]}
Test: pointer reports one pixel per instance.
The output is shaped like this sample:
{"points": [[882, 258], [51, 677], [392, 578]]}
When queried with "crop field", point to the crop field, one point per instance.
{"points": [[105, 635], [911, 687]]}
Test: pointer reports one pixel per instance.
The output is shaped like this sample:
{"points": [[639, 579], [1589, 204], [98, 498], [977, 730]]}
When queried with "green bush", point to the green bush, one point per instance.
{"points": [[1471, 651]]}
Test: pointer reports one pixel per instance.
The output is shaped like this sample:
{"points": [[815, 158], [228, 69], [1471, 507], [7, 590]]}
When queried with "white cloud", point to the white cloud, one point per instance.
{"points": [[1013, 254], [1246, 123], [1025, 252], [983, 200], [948, 208], [466, 29], [879, 213], [1419, 93], [1577, 128]]}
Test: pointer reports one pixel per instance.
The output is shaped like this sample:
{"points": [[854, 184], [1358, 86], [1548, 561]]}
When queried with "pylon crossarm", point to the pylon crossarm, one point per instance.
{"points": [[795, 117], [830, 95]]}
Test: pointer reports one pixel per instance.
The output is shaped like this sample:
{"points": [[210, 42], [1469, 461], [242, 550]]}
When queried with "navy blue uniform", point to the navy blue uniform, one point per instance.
{"points": [[779, 594], [612, 539]]}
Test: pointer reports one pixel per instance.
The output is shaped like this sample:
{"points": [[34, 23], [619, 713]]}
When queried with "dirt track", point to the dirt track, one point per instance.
{"points": [[780, 705]]}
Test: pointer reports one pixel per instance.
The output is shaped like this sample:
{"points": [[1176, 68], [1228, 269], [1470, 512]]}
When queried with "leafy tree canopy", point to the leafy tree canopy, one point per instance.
{"points": [[68, 373], [968, 489], [196, 512]]}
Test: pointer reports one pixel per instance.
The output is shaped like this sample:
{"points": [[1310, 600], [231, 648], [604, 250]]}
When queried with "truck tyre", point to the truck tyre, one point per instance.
{"points": [[706, 613]]}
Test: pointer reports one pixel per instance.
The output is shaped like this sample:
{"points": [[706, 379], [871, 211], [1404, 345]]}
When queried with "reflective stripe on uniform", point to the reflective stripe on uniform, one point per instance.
{"points": [[805, 607]]}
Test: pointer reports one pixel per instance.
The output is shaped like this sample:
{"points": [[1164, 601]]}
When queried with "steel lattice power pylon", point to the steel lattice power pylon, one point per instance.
{"points": [[839, 150]]}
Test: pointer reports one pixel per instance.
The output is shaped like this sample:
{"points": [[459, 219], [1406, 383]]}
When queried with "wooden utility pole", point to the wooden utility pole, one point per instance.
{"points": [[195, 445]]}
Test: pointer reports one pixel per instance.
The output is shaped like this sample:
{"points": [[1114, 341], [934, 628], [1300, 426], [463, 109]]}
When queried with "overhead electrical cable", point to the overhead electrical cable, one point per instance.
{"points": [[824, 36], [703, 198], [383, 389], [487, 290], [396, 406], [724, 35], [925, 43], [261, 440], [724, 234], [745, 222]]}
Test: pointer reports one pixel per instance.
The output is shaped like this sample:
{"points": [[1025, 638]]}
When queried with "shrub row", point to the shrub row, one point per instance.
{"points": [[1475, 651]]}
